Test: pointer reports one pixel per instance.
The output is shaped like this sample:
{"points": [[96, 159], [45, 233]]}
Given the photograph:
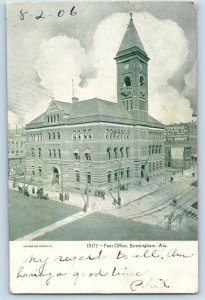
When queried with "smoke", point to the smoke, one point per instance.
{"points": [[190, 87], [13, 120], [63, 58]]}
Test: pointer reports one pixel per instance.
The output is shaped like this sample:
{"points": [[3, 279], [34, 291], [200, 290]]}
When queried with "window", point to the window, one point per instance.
{"points": [[127, 151], [153, 166], [33, 170], [109, 177], [111, 133], [74, 135], [157, 165], [160, 149], [87, 156], [142, 81], [122, 174], [85, 134], [54, 153], [128, 172], [48, 119], [49, 153], [107, 134], [54, 118], [157, 149], [76, 154], [59, 153], [39, 171], [49, 136], [54, 136], [39, 152], [59, 135], [122, 134], [88, 177], [115, 133], [116, 175], [32, 152], [122, 152], [127, 81], [115, 152], [51, 119], [89, 134], [109, 153], [153, 149], [150, 167], [79, 134], [77, 176]]}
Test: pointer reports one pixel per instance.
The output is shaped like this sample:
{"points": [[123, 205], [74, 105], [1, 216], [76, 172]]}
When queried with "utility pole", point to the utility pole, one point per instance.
{"points": [[62, 191], [118, 184]]}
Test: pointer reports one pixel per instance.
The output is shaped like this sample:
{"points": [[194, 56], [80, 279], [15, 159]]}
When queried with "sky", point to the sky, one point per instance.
{"points": [[45, 54]]}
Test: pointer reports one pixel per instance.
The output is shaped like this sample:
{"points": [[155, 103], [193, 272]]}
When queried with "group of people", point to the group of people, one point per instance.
{"points": [[64, 197], [100, 193]]}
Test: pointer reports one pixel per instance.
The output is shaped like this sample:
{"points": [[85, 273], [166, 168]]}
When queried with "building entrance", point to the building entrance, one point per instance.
{"points": [[56, 176]]}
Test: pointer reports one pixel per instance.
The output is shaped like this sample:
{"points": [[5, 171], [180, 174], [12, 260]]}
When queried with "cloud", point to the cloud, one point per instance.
{"points": [[190, 87], [13, 120], [63, 58]]}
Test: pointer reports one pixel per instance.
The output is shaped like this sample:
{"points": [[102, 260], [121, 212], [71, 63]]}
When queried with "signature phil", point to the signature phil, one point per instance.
{"points": [[150, 283]]}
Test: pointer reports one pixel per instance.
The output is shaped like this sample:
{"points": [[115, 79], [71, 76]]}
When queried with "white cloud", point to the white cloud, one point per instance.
{"points": [[63, 58], [190, 88]]}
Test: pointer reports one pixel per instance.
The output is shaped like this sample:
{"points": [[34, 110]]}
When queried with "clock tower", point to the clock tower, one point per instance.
{"points": [[132, 74]]}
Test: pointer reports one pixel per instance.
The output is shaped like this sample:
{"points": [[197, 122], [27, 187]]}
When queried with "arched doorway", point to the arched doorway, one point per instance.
{"points": [[56, 176]]}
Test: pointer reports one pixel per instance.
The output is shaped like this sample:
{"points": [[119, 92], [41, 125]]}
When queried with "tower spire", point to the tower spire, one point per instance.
{"points": [[131, 14]]}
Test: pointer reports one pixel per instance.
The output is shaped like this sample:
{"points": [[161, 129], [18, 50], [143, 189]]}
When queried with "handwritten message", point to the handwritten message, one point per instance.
{"points": [[103, 267]]}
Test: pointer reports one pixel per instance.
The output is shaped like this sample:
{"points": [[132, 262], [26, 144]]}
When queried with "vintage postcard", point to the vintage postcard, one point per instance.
{"points": [[102, 147]]}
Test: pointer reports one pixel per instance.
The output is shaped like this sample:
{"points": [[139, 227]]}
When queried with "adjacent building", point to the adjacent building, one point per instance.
{"points": [[181, 145], [96, 144], [16, 151]]}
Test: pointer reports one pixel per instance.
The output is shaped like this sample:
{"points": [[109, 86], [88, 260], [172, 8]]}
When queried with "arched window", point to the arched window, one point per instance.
{"points": [[48, 119], [89, 133], [59, 153], [54, 136], [109, 153], [51, 118], [142, 81], [87, 154], [49, 136], [79, 134], [115, 152], [49, 151], [39, 152], [76, 154], [59, 135], [122, 152], [85, 134], [150, 150], [54, 153], [127, 81], [128, 134], [127, 152], [109, 176]]}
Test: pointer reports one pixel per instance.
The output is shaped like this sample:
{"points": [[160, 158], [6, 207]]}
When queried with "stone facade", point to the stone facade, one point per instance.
{"points": [[97, 144]]}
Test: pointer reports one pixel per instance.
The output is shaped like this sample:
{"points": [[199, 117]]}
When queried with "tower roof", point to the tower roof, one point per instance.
{"points": [[131, 39]]}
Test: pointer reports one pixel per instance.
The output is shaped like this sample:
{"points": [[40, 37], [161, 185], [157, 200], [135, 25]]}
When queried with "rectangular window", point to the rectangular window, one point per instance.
{"points": [[88, 177], [116, 175], [109, 177], [122, 174], [77, 175]]}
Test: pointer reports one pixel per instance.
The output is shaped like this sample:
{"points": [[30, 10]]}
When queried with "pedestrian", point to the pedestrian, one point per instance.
{"points": [[33, 190]]}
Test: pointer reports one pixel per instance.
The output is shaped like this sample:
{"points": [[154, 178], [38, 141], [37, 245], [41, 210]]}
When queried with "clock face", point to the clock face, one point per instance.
{"points": [[126, 66]]}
